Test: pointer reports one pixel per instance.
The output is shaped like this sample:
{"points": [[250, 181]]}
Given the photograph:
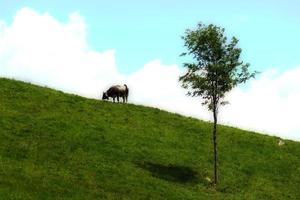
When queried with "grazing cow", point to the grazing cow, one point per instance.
{"points": [[116, 91]]}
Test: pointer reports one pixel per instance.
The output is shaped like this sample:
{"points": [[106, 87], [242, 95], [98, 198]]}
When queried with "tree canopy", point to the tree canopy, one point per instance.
{"points": [[216, 68]]}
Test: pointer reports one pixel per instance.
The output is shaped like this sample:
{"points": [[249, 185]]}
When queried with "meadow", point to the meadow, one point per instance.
{"points": [[62, 146]]}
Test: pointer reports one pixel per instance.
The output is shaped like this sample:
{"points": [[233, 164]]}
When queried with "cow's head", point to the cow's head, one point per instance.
{"points": [[104, 96]]}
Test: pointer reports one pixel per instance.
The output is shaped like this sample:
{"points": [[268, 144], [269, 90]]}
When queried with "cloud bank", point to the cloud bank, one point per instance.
{"points": [[38, 48]]}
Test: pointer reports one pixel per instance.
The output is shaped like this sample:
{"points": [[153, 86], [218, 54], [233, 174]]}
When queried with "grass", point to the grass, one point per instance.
{"points": [[61, 146]]}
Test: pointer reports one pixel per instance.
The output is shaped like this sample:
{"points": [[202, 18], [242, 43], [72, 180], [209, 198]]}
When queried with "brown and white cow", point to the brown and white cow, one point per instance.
{"points": [[117, 91]]}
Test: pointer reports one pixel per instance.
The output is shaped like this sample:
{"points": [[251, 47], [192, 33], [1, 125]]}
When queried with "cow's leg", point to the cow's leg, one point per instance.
{"points": [[118, 98], [114, 99]]}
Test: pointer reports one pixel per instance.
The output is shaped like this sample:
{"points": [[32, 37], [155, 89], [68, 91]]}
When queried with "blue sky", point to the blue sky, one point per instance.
{"points": [[83, 47], [141, 31]]}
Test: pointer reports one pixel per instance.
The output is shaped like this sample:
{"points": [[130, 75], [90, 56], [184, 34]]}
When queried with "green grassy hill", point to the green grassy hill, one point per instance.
{"points": [[60, 146]]}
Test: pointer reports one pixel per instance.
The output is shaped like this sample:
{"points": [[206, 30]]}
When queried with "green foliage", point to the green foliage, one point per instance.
{"points": [[60, 146], [216, 68]]}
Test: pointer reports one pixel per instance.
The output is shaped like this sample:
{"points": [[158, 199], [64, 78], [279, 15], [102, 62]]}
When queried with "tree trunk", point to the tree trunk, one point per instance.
{"points": [[216, 178]]}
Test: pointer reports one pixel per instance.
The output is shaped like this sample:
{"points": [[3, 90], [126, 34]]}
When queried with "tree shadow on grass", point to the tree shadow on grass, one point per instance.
{"points": [[180, 174]]}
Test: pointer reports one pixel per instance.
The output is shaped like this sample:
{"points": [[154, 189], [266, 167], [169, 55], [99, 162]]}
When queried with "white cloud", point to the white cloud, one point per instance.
{"points": [[38, 48], [157, 85], [269, 105]]}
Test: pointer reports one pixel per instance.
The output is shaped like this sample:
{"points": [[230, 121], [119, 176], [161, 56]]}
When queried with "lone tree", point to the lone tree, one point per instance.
{"points": [[216, 69]]}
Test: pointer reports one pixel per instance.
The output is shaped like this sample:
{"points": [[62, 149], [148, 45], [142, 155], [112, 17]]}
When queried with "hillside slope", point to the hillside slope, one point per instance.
{"points": [[60, 146]]}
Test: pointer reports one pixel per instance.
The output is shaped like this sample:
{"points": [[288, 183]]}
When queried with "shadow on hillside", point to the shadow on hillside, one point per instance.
{"points": [[172, 173]]}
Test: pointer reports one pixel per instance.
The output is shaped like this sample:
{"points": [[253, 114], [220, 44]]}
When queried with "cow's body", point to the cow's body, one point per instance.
{"points": [[117, 91]]}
